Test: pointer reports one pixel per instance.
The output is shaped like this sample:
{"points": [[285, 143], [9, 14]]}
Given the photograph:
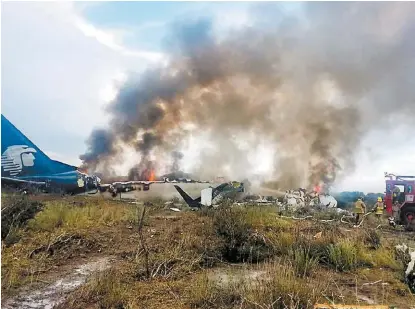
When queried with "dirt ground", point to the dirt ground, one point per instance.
{"points": [[87, 252]]}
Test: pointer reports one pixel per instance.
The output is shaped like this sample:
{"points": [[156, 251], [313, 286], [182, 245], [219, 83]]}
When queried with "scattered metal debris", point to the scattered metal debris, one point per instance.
{"points": [[408, 256]]}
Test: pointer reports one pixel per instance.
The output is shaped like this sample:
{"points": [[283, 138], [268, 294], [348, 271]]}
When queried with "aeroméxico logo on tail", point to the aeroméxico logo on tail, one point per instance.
{"points": [[16, 157]]}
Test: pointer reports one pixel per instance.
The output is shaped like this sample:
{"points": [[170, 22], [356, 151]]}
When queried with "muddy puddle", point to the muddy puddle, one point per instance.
{"points": [[54, 293]]}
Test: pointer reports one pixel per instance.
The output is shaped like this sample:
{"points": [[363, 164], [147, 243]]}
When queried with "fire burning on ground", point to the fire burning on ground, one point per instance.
{"points": [[145, 170], [152, 176], [317, 189]]}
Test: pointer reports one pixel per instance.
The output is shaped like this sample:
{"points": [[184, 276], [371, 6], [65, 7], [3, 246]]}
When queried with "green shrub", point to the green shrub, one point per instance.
{"points": [[281, 242], [304, 263], [342, 256], [239, 241]]}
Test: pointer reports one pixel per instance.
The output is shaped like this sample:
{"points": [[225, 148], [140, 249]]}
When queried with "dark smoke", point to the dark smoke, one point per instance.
{"points": [[177, 156], [310, 87], [148, 141], [141, 171], [101, 145]]}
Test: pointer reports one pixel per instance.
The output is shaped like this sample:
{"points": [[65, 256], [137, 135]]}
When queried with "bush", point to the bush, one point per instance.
{"points": [[15, 213], [373, 239], [343, 256], [239, 241]]}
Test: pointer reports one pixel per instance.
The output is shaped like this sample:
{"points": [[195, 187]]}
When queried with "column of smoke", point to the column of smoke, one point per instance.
{"points": [[145, 168], [177, 156], [312, 87]]}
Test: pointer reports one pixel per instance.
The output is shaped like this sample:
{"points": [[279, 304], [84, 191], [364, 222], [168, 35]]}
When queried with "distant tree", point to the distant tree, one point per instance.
{"points": [[347, 198]]}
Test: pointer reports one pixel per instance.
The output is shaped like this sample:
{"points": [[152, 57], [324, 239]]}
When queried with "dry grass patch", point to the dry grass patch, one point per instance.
{"points": [[104, 290], [181, 246], [176, 248], [304, 263], [265, 218], [68, 216], [119, 289], [278, 287], [63, 229]]}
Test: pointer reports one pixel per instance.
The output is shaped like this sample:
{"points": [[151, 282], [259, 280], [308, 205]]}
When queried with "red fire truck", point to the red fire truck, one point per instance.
{"points": [[401, 189]]}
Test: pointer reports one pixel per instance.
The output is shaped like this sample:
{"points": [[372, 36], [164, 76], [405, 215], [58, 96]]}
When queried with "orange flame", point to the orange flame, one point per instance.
{"points": [[317, 189], [83, 170], [152, 176]]}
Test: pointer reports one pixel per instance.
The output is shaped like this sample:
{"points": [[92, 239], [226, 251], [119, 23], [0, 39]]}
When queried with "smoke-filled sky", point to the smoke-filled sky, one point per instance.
{"points": [[298, 94]]}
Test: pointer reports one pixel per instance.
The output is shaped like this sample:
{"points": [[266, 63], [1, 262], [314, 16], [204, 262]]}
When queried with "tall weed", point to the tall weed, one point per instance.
{"points": [[304, 263], [342, 256]]}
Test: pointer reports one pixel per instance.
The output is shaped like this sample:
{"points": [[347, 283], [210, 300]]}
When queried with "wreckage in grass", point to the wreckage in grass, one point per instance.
{"points": [[212, 196], [237, 191]]}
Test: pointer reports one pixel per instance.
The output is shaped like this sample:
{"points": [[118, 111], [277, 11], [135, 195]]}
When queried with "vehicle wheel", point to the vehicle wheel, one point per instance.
{"points": [[408, 217]]}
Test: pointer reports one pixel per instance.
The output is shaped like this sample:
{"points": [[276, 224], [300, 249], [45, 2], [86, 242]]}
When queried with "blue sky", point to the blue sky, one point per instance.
{"points": [[61, 60]]}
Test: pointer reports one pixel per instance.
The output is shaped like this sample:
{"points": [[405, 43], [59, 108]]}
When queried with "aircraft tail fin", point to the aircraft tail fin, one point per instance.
{"points": [[189, 201], [21, 157]]}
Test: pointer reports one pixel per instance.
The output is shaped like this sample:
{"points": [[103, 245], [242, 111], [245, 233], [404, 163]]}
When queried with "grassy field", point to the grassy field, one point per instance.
{"points": [[232, 257]]}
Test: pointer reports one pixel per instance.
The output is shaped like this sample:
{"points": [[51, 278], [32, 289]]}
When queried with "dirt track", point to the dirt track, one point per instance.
{"points": [[54, 293]]}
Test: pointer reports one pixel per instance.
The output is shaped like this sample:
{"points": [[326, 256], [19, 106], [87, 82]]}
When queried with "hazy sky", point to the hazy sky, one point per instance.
{"points": [[61, 62]]}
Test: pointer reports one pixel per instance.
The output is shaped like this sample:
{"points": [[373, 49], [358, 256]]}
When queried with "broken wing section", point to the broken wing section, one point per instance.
{"points": [[189, 201]]}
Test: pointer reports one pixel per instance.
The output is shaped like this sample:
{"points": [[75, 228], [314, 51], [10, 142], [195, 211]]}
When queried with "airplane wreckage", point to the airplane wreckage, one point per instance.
{"points": [[27, 168], [239, 193]]}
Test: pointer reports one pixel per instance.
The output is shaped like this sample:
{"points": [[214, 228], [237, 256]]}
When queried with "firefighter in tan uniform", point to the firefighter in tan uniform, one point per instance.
{"points": [[396, 207], [379, 207], [359, 209]]}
